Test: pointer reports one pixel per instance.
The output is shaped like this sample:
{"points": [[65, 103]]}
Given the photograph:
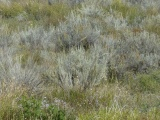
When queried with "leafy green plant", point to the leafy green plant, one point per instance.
{"points": [[33, 108]]}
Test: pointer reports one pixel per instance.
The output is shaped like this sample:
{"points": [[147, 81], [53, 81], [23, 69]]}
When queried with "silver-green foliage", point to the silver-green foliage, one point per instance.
{"points": [[92, 54], [136, 53], [12, 70], [33, 38], [80, 69], [76, 31]]}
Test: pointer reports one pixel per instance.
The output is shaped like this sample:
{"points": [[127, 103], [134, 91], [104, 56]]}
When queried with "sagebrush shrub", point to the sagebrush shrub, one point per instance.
{"points": [[136, 53], [80, 69], [75, 32], [34, 38], [12, 70]]}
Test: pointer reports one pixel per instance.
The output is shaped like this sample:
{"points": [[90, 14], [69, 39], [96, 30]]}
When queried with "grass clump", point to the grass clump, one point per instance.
{"points": [[55, 14], [151, 24], [131, 13], [10, 93], [8, 11], [31, 14], [146, 83], [119, 114]]}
